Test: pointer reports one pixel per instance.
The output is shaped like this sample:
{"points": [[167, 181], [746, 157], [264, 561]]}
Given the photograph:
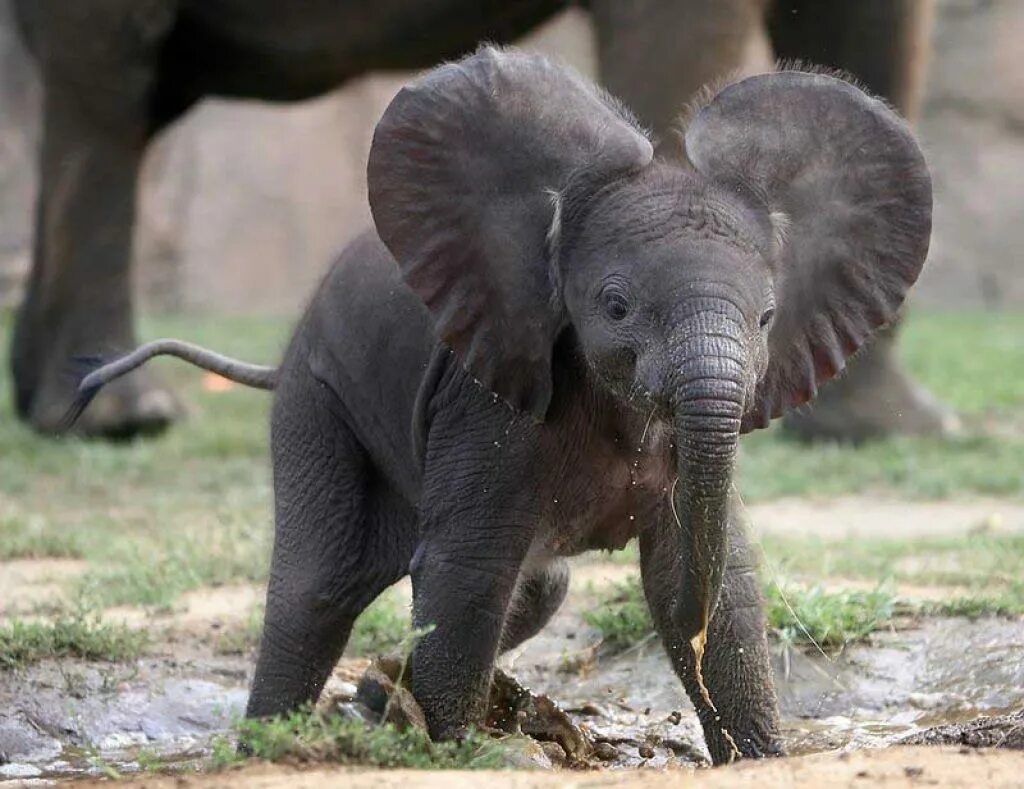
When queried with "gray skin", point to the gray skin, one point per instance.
{"points": [[550, 344], [118, 72]]}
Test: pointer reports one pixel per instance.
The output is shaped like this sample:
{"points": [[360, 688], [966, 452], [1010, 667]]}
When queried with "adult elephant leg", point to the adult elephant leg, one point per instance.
{"points": [[736, 669], [884, 44], [340, 540], [96, 105], [656, 55]]}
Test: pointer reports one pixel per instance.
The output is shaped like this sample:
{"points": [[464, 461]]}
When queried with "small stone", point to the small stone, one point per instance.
{"points": [[555, 752], [675, 717], [605, 751], [913, 772], [17, 770], [523, 753], [645, 751], [591, 710]]}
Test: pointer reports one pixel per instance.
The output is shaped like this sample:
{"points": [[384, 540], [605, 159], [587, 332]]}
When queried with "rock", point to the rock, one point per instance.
{"points": [[1002, 731], [18, 770], [605, 751], [523, 753], [555, 753], [378, 695]]}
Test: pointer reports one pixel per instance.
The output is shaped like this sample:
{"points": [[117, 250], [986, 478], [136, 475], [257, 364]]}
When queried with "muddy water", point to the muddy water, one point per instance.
{"points": [[58, 720]]}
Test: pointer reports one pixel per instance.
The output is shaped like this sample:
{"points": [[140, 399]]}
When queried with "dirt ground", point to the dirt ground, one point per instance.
{"points": [[841, 714], [893, 767]]}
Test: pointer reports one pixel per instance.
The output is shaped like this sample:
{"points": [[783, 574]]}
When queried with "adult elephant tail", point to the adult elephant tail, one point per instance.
{"points": [[253, 375]]}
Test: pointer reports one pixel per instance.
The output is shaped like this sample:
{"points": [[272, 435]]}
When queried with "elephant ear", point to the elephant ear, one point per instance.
{"points": [[847, 193], [464, 175]]}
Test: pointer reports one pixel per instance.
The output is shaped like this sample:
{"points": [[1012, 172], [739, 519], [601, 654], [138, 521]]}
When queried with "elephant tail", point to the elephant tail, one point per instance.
{"points": [[100, 374]]}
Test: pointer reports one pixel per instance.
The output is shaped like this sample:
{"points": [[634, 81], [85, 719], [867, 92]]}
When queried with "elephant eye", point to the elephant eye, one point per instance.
{"points": [[767, 317], [615, 304]]}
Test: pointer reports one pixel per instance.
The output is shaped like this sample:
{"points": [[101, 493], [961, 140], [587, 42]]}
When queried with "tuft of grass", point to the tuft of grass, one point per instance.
{"points": [[977, 605], [78, 635], [381, 629], [30, 537], [621, 614], [830, 619], [307, 736]]}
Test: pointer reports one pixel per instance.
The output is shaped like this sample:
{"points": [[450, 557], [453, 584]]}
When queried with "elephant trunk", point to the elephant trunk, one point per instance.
{"points": [[707, 403]]}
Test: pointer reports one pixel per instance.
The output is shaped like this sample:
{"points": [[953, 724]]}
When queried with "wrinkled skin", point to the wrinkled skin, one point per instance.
{"points": [[117, 72], [551, 343]]}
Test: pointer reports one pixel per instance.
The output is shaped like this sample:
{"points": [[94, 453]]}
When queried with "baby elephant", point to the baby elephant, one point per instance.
{"points": [[551, 343]]}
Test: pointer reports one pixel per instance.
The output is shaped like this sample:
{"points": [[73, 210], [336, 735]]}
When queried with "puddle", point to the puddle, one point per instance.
{"points": [[70, 718]]}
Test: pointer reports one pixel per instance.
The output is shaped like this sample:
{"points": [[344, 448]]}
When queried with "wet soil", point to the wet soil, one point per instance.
{"points": [[927, 681]]}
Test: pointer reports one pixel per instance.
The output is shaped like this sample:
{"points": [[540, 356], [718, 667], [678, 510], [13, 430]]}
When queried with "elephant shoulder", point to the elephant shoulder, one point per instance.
{"points": [[364, 292]]}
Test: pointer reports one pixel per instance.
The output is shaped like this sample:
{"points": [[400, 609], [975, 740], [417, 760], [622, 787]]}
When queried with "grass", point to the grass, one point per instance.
{"points": [[79, 635], [155, 518], [831, 619], [621, 615], [981, 571], [382, 628], [314, 736], [796, 616], [31, 537], [974, 362]]}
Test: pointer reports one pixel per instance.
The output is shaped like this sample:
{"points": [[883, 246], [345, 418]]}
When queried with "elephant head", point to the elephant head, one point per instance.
{"points": [[521, 203]]}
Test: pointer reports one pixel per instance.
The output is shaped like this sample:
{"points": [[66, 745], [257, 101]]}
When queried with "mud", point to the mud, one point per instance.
{"points": [[63, 719]]}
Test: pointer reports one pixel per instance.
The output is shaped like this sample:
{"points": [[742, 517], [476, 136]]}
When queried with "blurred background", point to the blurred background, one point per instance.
{"points": [[132, 574], [244, 204]]}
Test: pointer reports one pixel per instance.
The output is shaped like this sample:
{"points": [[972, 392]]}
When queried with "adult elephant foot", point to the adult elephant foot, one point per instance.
{"points": [[874, 399], [46, 384]]}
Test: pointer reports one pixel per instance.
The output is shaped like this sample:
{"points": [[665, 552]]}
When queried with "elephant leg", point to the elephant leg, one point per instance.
{"points": [[657, 55], [884, 44], [78, 302], [340, 540], [538, 595], [736, 668], [477, 523]]}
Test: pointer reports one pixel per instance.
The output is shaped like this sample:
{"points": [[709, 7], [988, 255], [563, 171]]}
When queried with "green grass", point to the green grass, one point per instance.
{"points": [[314, 736], [382, 628], [974, 362], [982, 571], [155, 518], [79, 636], [796, 616], [31, 537], [830, 619], [621, 614]]}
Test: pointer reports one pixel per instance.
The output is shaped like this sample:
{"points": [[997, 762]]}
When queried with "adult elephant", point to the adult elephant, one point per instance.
{"points": [[117, 72]]}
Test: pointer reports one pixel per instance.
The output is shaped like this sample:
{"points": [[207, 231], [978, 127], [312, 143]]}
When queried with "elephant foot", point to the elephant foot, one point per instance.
{"points": [[136, 405], [876, 398]]}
